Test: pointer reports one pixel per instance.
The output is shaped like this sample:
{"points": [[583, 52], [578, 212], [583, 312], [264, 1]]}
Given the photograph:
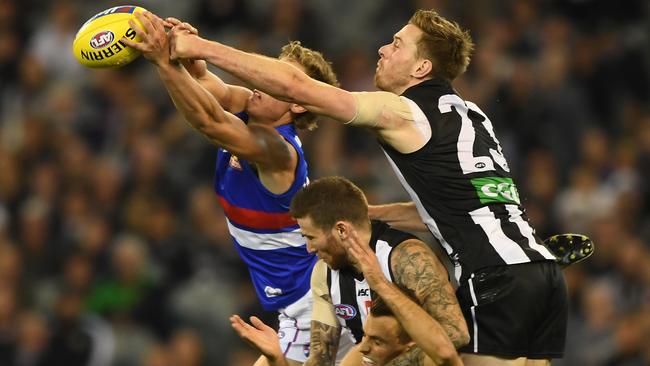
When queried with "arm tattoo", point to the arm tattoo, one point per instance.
{"points": [[417, 269], [413, 357], [324, 343]]}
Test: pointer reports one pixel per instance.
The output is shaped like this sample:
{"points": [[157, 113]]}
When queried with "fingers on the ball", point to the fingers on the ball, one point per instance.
{"points": [[130, 43], [146, 23], [155, 20], [137, 29]]}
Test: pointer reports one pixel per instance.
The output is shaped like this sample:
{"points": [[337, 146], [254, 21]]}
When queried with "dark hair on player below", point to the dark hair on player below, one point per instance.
{"points": [[315, 67], [378, 308], [331, 199]]}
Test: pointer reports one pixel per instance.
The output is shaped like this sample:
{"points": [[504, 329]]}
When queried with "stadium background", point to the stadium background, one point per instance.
{"points": [[113, 250]]}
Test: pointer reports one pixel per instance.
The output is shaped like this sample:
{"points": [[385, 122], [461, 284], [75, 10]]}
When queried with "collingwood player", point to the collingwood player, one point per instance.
{"points": [[445, 153], [358, 261]]}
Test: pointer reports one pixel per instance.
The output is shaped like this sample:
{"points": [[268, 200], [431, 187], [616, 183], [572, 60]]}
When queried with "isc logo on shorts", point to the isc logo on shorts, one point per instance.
{"points": [[345, 311], [101, 39]]}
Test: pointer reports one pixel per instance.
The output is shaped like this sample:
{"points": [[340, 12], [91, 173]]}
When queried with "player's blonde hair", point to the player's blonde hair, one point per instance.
{"points": [[316, 67], [444, 43]]}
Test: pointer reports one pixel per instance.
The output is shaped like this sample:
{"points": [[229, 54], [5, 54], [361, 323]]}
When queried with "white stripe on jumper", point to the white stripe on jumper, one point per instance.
{"points": [[506, 248], [383, 250], [527, 231], [258, 241]]}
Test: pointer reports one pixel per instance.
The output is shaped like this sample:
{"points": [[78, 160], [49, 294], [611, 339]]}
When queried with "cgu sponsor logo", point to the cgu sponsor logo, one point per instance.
{"points": [[101, 39], [496, 189], [107, 52], [345, 311]]}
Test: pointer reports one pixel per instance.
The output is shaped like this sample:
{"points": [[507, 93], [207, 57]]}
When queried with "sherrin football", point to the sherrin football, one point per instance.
{"points": [[97, 43]]}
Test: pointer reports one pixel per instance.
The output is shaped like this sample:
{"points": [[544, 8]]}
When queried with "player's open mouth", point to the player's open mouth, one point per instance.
{"points": [[365, 361]]}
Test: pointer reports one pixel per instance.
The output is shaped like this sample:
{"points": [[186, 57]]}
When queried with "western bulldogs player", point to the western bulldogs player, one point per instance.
{"points": [[260, 166]]}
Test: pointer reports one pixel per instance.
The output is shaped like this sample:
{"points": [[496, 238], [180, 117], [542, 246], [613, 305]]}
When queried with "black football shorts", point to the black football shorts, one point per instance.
{"points": [[516, 310]]}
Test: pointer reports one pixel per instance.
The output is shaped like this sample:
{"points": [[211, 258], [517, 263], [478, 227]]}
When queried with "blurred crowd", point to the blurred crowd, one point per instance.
{"points": [[114, 251]]}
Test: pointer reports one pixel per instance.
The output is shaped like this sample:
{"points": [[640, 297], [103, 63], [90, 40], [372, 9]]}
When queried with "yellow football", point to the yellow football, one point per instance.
{"points": [[97, 43]]}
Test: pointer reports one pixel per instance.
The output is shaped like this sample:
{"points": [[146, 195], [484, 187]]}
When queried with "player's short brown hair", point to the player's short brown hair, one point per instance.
{"points": [[329, 200], [316, 67], [444, 43]]}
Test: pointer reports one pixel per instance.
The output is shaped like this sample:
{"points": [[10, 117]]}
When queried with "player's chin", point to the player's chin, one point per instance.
{"points": [[379, 82]]}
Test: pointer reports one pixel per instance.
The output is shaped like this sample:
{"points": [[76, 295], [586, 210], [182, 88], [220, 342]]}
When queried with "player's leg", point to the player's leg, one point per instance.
{"points": [[293, 330], [471, 359], [570, 248]]}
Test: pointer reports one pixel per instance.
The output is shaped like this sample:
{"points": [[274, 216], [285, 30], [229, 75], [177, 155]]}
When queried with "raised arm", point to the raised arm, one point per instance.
{"points": [[231, 97], [325, 328], [417, 269], [383, 112], [259, 144], [401, 216], [277, 78], [424, 330]]}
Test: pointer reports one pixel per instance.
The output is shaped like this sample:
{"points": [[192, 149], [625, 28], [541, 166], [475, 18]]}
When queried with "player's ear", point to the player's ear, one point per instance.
{"points": [[295, 108], [341, 230], [423, 69]]}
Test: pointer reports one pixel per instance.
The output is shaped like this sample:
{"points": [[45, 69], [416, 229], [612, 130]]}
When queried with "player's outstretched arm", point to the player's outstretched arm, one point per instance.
{"points": [[259, 144], [277, 78], [383, 112], [231, 97], [401, 216]]}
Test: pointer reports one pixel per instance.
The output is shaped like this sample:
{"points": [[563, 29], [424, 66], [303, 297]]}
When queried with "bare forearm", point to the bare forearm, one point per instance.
{"points": [[194, 102], [324, 344], [416, 268], [402, 216], [271, 75], [231, 97], [427, 333]]}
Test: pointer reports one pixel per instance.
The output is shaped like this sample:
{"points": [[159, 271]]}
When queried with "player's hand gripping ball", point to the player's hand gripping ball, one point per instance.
{"points": [[97, 43]]}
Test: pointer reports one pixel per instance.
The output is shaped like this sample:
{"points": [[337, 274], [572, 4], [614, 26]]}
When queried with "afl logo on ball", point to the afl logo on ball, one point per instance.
{"points": [[101, 39], [345, 311]]}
